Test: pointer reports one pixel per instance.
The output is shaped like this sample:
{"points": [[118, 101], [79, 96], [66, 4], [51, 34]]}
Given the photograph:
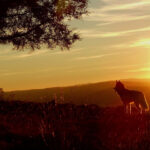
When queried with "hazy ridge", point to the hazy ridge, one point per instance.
{"points": [[100, 93]]}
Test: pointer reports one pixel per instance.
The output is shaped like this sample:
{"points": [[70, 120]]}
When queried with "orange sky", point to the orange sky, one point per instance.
{"points": [[115, 44]]}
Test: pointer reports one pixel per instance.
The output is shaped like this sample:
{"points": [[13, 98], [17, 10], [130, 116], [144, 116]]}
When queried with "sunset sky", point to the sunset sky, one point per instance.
{"points": [[115, 45]]}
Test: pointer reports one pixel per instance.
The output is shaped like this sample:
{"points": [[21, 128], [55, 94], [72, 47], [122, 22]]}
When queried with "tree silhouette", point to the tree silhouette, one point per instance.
{"points": [[32, 23]]}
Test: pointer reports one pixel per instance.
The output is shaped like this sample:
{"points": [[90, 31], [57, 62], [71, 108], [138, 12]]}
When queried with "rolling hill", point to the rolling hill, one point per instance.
{"points": [[100, 93]]}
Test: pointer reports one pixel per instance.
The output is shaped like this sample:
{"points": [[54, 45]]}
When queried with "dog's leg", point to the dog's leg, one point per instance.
{"points": [[127, 108], [141, 110], [124, 107], [130, 108], [138, 107]]}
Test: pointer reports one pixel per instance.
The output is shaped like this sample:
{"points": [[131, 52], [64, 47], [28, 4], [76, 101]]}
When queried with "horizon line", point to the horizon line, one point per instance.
{"points": [[80, 84]]}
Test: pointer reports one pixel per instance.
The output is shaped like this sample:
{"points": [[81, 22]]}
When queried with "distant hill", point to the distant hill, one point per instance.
{"points": [[100, 93]]}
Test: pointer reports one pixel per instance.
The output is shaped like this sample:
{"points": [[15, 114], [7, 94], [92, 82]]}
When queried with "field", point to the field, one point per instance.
{"points": [[50, 126]]}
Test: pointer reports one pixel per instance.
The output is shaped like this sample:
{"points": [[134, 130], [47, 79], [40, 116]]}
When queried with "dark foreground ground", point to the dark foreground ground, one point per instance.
{"points": [[37, 126]]}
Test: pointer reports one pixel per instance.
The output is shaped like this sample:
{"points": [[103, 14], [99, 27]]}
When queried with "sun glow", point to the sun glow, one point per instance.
{"points": [[143, 43]]}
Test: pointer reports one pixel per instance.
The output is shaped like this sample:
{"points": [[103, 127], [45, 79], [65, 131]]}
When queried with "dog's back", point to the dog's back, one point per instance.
{"points": [[134, 96], [139, 98]]}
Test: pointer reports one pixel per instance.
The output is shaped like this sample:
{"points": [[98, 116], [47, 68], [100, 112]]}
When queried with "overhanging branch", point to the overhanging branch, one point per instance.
{"points": [[17, 35]]}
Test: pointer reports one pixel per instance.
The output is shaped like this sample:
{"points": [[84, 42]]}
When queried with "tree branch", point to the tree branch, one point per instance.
{"points": [[15, 15], [16, 35]]}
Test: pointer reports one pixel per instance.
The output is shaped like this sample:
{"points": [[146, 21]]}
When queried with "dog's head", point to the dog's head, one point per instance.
{"points": [[119, 86]]}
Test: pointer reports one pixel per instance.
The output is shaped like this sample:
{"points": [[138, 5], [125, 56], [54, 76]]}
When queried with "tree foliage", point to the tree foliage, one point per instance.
{"points": [[32, 23]]}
